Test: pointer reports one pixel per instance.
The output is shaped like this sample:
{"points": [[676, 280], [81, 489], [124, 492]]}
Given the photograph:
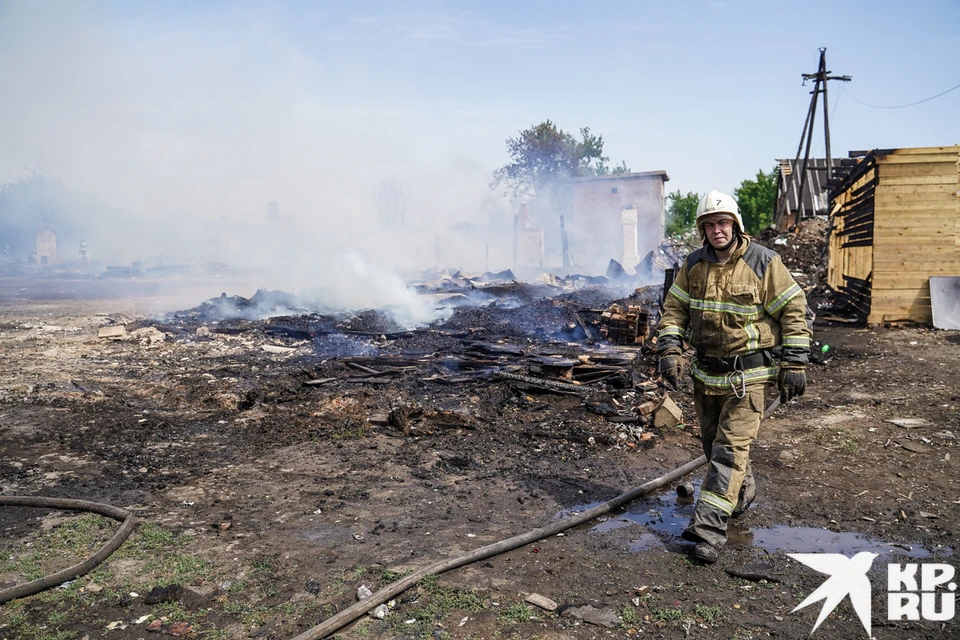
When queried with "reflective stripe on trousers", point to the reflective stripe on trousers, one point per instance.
{"points": [[728, 426]]}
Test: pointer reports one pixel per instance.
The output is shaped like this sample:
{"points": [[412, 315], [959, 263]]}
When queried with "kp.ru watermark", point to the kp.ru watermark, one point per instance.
{"points": [[915, 591]]}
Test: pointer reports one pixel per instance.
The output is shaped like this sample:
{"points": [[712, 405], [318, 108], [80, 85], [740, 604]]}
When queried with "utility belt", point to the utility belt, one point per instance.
{"points": [[730, 364]]}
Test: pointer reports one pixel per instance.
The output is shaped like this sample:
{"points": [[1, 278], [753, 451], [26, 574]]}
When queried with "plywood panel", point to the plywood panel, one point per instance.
{"points": [[914, 310], [926, 169], [945, 205], [892, 297], [884, 280], [924, 265], [906, 151], [887, 214], [885, 260], [916, 159], [935, 179], [941, 243], [926, 224], [927, 191], [920, 315], [908, 244]]}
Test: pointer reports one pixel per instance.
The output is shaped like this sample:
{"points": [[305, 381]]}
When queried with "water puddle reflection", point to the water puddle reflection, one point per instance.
{"points": [[665, 516]]}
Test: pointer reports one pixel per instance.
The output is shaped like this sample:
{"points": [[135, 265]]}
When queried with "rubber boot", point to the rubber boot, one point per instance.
{"points": [[706, 553]]}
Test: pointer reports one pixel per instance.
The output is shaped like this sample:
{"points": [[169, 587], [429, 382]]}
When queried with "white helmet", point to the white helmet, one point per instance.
{"points": [[717, 202]]}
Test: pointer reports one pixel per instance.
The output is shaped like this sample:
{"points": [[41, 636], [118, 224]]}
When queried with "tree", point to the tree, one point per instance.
{"points": [[544, 156], [757, 200], [681, 213], [392, 202]]}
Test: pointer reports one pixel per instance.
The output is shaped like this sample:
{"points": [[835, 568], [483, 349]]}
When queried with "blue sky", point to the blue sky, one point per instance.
{"points": [[207, 107]]}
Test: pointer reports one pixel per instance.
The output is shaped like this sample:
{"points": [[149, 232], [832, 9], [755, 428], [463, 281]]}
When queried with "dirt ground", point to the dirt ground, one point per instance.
{"points": [[270, 500]]}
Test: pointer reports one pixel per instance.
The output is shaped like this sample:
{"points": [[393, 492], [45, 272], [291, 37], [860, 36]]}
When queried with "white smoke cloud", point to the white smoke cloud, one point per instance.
{"points": [[193, 126]]}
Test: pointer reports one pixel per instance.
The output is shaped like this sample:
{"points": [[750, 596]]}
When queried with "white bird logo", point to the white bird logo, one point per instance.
{"points": [[848, 576]]}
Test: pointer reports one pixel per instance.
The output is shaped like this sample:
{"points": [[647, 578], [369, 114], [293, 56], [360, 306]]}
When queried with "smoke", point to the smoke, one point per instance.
{"points": [[166, 131], [175, 133], [358, 284]]}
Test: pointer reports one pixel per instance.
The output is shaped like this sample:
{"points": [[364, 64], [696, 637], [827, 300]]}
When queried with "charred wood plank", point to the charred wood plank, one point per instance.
{"points": [[360, 367], [319, 381], [388, 361], [549, 385], [623, 419]]}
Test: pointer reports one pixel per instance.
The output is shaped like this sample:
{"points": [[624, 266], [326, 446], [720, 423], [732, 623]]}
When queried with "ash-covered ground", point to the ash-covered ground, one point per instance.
{"points": [[278, 458]]}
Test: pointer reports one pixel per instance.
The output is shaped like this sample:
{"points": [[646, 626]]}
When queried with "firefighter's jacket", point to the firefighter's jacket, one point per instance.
{"points": [[750, 304]]}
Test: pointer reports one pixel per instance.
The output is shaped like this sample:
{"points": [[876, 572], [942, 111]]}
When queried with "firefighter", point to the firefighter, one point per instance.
{"points": [[744, 315]]}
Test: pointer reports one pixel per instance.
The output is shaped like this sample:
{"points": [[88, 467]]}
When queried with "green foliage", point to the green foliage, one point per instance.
{"points": [[711, 615], [435, 603], [667, 614], [29, 566], [681, 213], [544, 156], [757, 200], [388, 576], [179, 568], [151, 539], [630, 615], [518, 612]]}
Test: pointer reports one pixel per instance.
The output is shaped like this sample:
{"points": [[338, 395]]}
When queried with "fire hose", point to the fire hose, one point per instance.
{"points": [[58, 578], [348, 615], [353, 612]]}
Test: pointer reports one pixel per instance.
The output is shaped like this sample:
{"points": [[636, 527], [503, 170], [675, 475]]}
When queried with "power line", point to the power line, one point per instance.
{"points": [[833, 116], [899, 106]]}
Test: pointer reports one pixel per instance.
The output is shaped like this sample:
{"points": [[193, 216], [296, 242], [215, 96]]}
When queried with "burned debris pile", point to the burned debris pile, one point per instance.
{"points": [[578, 366], [803, 250]]}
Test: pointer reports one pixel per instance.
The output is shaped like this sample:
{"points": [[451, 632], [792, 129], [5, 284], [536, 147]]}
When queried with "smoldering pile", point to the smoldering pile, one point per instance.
{"points": [[556, 337]]}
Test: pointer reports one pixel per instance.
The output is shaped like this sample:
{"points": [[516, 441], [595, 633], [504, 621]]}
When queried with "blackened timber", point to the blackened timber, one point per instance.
{"points": [[360, 367], [550, 385], [858, 243]]}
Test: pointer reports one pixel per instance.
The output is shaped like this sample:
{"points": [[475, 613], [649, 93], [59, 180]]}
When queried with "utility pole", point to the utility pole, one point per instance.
{"points": [[820, 79]]}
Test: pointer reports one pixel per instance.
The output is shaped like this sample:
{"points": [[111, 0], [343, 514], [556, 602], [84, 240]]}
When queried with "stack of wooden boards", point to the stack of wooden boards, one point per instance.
{"points": [[895, 223]]}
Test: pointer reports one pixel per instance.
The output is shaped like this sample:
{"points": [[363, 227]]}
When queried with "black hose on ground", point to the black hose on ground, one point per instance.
{"points": [[353, 612], [58, 578]]}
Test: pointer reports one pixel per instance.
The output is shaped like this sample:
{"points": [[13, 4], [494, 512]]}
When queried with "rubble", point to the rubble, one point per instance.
{"points": [[668, 414], [116, 332], [553, 344], [626, 325], [543, 602], [148, 335], [600, 617]]}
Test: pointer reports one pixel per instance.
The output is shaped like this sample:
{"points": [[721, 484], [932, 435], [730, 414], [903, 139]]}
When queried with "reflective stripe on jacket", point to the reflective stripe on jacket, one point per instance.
{"points": [[750, 303]]}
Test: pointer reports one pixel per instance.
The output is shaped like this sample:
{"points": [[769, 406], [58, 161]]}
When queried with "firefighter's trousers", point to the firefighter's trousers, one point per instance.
{"points": [[728, 426]]}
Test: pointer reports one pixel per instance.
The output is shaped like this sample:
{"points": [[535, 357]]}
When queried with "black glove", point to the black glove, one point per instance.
{"points": [[792, 382], [671, 367]]}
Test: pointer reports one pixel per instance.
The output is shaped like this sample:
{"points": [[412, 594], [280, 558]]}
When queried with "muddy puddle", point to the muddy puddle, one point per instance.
{"points": [[663, 517]]}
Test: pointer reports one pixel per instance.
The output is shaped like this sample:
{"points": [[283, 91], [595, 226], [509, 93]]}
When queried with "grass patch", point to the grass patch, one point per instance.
{"points": [[710, 615], [847, 446], [630, 614], [667, 614], [353, 575], [28, 565], [350, 428], [36, 621], [45, 552], [389, 577], [434, 604], [515, 613], [180, 568], [150, 539]]}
